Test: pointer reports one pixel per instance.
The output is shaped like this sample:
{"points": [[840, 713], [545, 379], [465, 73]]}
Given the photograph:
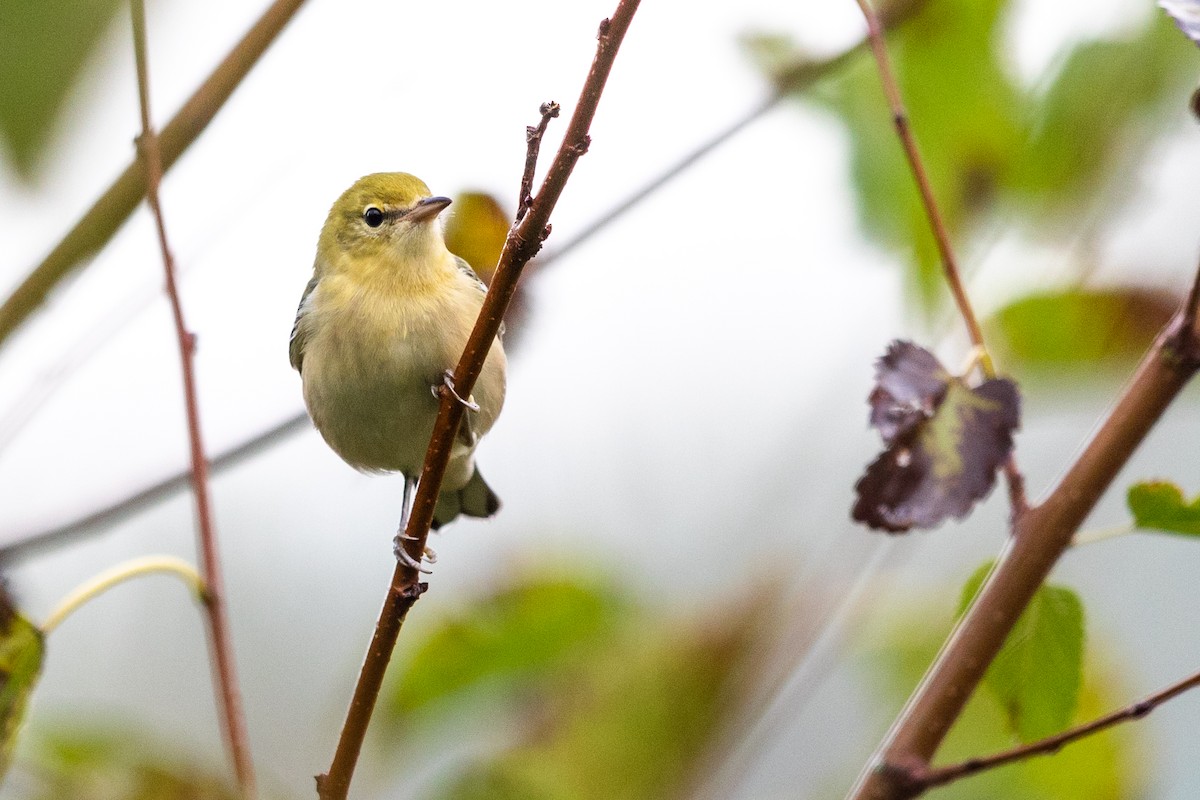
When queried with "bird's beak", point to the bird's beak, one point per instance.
{"points": [[428, 208]]}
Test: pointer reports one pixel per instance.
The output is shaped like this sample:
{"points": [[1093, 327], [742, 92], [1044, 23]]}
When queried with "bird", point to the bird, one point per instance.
{"points": [[380, 326]]}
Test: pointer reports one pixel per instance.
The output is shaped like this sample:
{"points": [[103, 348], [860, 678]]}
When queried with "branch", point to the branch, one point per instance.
{"points": [[875, 30], [524, 240], [533, 144], [119, 574], [225, 675], [1040, 537], [144, 499], [939, 776], [903, 129], [109, 212]]}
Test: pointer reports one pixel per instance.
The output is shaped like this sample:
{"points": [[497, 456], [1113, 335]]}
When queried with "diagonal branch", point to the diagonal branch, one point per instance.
{"points": [[109, 212], [913, 154], [939, 776], [224, 672], [524, 240]]}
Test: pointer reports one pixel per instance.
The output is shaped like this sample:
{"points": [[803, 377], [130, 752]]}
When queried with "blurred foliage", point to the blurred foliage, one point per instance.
{"points": [[608, 700], [1085, 328], [1160, 506], [21, 653], [945, 440], [113, 765], [476, 230], [1037, 673], [43, 46], [517, 635], [1043, 154], [1107, 766]]}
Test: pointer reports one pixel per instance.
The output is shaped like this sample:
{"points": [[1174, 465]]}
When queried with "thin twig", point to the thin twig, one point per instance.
{"points": [[533, 145], [939, 776], [106, 580], [891, 89], [524, 240], [100, 222], [150, 496], [224, 672], [904, 130]]}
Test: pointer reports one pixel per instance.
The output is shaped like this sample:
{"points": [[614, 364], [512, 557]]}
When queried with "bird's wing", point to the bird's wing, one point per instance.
{"points": [[296, 343], [465, 268]]}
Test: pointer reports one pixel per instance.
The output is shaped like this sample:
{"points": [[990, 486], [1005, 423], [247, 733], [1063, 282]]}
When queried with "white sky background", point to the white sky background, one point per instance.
{"points": [[692, 383]]}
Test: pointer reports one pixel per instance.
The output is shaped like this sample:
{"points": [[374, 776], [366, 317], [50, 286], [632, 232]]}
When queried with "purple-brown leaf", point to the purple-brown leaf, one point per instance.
{"points": [[945, 440]]}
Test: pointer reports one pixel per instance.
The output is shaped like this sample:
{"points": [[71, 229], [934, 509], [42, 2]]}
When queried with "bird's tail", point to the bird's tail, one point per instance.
{"points": [[475, 499]]}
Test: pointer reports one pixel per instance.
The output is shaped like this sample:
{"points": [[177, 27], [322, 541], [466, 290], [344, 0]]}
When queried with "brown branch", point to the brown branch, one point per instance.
{"points": [[100, 222], [1041, 536], [891, 90], [938, 776], [224, 673], [533, 144], [524, 240], [904, 130]]}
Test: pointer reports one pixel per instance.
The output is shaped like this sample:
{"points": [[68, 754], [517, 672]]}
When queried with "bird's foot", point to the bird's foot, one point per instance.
{"points": [[448, 382], [404, 558]]}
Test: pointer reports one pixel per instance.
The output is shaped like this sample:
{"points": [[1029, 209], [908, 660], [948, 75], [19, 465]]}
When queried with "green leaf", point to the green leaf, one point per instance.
{"points": [[1160, 506], [43, 46], [1108, 99], [1080, 327], [21, 651], [1038, 672], [1106, 766], [518, 634]]}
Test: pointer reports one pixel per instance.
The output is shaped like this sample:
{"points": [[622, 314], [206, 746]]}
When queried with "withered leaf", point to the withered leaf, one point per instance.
{"points": [[945, 441]]}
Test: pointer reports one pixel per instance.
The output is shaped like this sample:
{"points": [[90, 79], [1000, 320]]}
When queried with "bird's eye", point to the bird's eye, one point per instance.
{"points": [[373, 217]]}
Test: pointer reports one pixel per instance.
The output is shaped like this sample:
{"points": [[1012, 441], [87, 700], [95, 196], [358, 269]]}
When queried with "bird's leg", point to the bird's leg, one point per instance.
{"points": [[401, 537]]}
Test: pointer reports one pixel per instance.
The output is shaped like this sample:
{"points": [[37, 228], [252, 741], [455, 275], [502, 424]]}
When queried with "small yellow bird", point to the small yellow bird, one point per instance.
{"points": [[380, 327]]}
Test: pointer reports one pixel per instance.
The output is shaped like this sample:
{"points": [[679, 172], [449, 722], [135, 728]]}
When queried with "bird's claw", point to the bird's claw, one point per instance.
{"points": [[448, 382], [404, 558]]}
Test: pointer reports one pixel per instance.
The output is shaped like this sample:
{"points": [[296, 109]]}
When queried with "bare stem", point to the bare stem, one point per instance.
{"points": [[939, 776], [224, 672], [524, 240], [891, 90], [109, 212], [904, 130], [119, 574]]}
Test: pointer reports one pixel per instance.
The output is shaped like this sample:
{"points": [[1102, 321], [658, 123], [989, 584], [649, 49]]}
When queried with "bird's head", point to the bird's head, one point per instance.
{"points": [[387, 214]]}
